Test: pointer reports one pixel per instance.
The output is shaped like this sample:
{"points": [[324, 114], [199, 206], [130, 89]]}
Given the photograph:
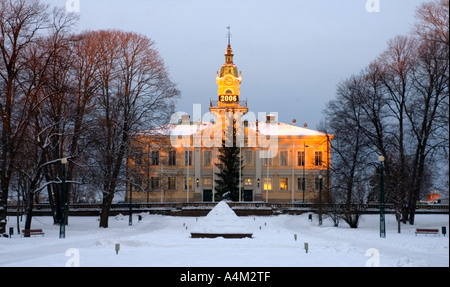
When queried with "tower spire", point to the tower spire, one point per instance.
{"points": [[229, 54]]}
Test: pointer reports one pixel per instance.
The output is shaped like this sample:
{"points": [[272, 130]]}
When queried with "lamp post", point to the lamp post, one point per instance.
{"points": [[130, 208], [320, 198], [62, 224], [382, 219]]}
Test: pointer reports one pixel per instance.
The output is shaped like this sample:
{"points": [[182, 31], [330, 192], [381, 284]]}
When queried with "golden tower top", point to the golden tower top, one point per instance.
{"points": [[229, 79]]}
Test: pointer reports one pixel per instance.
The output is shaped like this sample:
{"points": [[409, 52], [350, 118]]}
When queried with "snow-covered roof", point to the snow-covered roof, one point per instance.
{"points": [[279, 129], [282, 129]]}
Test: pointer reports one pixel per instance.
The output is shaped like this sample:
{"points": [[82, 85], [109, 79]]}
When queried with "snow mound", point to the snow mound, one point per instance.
{"points": [[221, 221]]}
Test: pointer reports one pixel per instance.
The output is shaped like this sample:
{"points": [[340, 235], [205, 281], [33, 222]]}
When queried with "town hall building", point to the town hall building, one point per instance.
{"points": [[280, 162]]}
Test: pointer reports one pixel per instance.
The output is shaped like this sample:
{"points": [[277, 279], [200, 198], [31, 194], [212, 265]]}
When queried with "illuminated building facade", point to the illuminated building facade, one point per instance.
{"points": [[281, 162]]}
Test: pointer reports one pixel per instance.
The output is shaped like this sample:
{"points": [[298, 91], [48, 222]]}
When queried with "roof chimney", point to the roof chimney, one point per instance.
{"points": [[270, 118], [186, 119]]}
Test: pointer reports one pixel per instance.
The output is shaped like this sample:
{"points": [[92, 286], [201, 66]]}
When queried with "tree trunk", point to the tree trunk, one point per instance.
{"points": [[106, 207], [29, 212]]}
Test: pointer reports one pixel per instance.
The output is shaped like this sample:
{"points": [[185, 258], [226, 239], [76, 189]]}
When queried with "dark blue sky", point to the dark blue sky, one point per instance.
{"points": [[292, 53]]}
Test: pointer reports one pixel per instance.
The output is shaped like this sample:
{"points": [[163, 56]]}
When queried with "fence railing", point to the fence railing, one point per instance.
{"points": [[301, 207]]}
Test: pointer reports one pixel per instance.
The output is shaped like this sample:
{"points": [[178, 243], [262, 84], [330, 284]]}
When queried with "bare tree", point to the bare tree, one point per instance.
{"points": [[433, 22], [46, 72], [20, 24], [136, 93], [399, 108], [345, 118], [428, 114]]}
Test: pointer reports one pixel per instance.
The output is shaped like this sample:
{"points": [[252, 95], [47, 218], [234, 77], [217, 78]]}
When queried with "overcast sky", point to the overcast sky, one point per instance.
{"points": [[292, 53]]}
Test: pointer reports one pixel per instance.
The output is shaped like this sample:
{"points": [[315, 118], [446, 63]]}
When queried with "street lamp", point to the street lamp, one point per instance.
{"points": [[62, 224], [382, 219], [320, 198]]}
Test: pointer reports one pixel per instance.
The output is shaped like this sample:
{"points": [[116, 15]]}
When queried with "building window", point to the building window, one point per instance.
{"points": [[154, 183], [154, 157], [248, 181], [137, 184], [301, 184], [207, 181], [318, 158], [248, 158], [317, 183], [284, 183], [300, 158], [188, 183], [207, 155], [267, 161], [267, 183], [138, 159], [171, 182], [187, 158], [172, 158], [283, 158]]}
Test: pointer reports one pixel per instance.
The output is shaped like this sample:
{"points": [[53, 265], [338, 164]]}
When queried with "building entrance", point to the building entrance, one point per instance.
{"points": [[248, 195], [207, 195]]}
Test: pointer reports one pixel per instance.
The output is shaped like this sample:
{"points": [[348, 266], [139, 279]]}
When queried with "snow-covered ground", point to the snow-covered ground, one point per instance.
{"points": [[165, 241]]}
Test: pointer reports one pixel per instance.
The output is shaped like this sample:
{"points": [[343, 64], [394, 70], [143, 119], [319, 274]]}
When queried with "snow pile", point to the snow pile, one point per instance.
{"points": [[221, 220]]}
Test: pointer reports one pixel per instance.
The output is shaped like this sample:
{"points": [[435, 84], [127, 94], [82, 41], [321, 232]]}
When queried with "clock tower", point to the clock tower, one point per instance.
{"points": [[229, 81]]}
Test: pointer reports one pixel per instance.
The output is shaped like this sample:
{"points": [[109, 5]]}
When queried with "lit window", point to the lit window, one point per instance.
{"points": [[267, 183], [207, 181], [284, 183], [186, 180], [171, 183]]}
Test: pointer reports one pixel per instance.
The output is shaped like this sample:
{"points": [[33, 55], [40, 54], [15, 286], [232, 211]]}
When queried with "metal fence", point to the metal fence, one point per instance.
{"points": [[276, 207]]}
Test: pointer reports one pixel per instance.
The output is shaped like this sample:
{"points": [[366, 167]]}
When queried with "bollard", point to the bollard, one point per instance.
{"points": [[444, 230], [117, 248], [139, 218], [306, 247], [11, 232], [295, 237], [310, 217]]}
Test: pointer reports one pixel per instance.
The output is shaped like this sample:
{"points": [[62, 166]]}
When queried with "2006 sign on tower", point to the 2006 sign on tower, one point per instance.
{"points": [[228, 98]]}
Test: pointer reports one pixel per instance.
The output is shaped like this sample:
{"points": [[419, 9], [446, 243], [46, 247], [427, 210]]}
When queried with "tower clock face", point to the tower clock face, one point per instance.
{"points": [[228, 81]]}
